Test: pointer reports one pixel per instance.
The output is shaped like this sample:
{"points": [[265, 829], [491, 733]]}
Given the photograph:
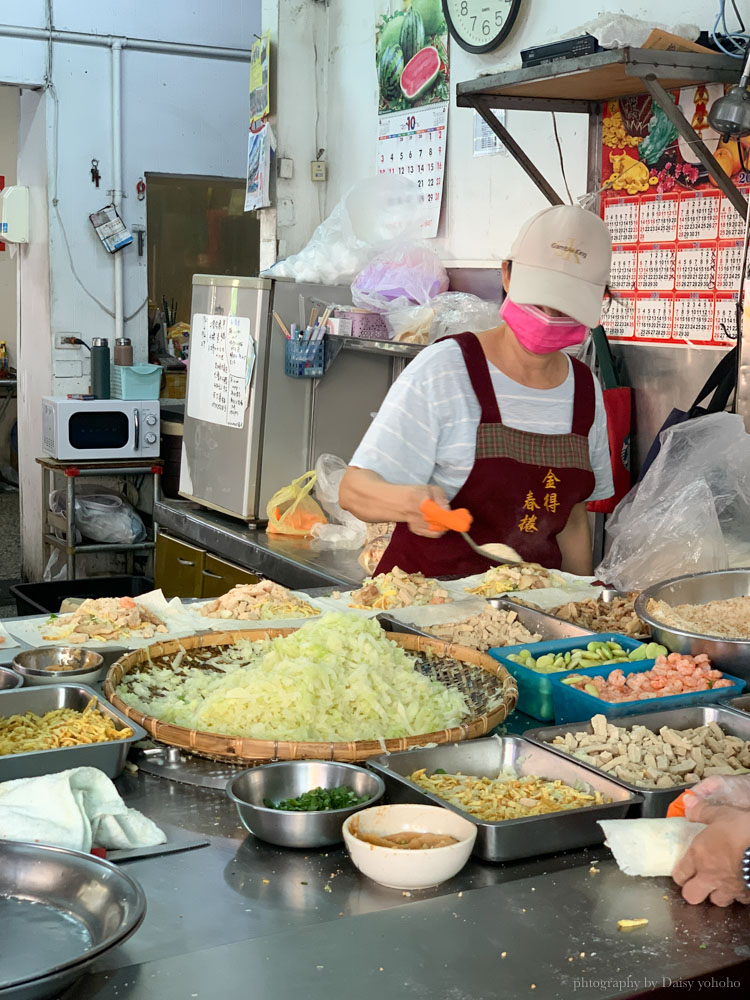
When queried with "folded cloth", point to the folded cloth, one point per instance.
{"points": [[77, 809]]}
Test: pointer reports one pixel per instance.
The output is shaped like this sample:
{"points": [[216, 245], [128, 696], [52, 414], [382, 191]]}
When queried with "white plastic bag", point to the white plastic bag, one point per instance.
{"points": [[344, 530], [375, 211], [101, 515], [690, 512], [447, 314]]}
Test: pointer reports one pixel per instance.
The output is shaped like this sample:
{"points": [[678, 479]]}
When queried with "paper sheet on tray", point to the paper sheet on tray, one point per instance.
{"points": [[6, 639], [573, 582], [553, 597], [427, 615], [179, 624], [202, 623]]}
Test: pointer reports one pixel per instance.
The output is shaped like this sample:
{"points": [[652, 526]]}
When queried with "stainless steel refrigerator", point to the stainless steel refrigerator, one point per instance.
{"points": [[287, 422]]}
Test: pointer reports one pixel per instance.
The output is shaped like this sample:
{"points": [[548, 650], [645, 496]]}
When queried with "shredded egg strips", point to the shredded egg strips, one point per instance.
{"points": [[506, 797]]}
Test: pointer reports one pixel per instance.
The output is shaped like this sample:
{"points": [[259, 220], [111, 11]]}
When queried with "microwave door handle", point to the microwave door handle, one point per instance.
{"points": [[137, 428]]}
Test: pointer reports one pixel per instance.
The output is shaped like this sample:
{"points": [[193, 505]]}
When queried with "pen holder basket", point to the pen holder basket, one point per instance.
{"points": [[306, 360]]}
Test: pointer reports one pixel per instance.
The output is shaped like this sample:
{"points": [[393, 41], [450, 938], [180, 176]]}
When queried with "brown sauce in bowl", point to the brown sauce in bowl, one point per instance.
{"points": [[408, 840]]}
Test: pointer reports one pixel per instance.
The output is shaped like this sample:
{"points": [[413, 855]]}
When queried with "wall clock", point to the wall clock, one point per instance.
{"points": [[480, 25]]}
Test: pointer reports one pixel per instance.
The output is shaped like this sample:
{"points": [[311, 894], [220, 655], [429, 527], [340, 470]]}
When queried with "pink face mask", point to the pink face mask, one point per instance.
{"points": [[538, 332]]}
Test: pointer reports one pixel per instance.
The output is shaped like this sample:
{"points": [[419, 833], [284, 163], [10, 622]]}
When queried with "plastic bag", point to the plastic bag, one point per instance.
{"points": [[344, 530], [404, 274], [292, 511], [691, 511], [615, 31], [101, 515], [447, 314], [375, 210]]}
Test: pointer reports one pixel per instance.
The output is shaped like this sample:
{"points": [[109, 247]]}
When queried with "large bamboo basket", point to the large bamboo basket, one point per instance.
{"points": [[489, 689]]}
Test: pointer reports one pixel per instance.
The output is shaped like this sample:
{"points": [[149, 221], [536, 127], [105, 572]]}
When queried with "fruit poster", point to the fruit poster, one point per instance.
{"points": [[676, 239], [413, 93]]}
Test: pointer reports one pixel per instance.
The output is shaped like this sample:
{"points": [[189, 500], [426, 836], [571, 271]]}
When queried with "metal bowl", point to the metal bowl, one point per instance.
{"points": [[45, 665], [700, 588], [9, 679], [287, 780], [81, 906]]}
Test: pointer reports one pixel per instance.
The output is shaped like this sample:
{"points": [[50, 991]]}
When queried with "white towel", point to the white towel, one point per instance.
{"points": [[77, 809]]}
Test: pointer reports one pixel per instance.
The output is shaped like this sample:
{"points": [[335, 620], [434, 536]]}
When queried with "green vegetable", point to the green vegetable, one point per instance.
{"points": [[390, 67], [412, 36], [319, 800], [51, 618], [439, 770]]}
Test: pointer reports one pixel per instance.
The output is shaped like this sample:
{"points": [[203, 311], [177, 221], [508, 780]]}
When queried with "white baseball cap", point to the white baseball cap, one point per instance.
{"points": [[561, 259]]}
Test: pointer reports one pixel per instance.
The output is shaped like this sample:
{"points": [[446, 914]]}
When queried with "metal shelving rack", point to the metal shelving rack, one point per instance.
{"points": [[581, 86]]}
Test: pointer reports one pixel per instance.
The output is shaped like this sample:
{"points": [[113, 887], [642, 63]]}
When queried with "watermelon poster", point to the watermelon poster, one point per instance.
{"points": [[411, 59]]}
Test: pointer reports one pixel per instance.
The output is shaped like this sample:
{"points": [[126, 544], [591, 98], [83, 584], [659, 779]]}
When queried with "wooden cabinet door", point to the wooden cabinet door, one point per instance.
{"points": [[220, 576], [178, 567]]}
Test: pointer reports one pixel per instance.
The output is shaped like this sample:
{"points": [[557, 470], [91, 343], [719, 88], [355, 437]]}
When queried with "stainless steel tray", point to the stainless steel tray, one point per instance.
{"points": [[108, 757], [607, 595], [545, 625], [548, 626], [655, 800], [511, 839], [60, 910], [741, 704]]}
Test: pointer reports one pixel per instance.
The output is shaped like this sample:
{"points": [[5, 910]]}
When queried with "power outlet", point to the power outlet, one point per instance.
{"points": [[62, 342], [318, 170]]}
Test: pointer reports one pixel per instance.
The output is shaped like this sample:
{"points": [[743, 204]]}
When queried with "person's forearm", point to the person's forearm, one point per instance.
{"points": [[575, 542], [370, 497]]}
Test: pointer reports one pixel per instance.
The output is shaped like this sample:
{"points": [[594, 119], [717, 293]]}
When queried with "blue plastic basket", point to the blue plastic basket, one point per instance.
{"points": [[534, 688], [571, 705], [306, 360]]}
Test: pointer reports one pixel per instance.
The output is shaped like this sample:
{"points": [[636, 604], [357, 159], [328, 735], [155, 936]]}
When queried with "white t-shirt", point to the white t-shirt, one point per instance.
{"points": [[425, 431]]}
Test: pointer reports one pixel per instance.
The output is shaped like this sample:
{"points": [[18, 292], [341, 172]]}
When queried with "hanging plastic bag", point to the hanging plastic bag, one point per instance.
{"points": [[375, 211], [292, 511], [101, 516], [691, 511], [344, 530]]}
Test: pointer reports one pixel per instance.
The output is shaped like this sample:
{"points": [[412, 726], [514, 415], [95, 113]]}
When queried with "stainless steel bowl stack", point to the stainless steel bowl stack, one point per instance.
{"points": [[9, 679], [59, 665], [288, 780], [733, 655]]}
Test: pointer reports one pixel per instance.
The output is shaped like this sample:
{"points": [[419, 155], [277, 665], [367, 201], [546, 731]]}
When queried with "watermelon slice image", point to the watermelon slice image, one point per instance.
{"points": [[420, 73]]}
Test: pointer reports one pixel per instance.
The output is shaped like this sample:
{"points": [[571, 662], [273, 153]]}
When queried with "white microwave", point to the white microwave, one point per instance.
{"points": [[93, 429]]}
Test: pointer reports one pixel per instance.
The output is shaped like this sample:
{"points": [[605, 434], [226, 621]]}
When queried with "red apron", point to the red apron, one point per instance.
{"points": [[521, 488]]}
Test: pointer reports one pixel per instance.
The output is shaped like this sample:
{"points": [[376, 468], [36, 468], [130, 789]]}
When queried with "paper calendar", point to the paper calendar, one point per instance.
{"points": [[676, 239]]}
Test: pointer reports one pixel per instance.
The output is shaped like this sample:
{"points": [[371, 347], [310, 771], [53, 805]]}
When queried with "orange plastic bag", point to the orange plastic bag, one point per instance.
{"points": [[292, 511]]}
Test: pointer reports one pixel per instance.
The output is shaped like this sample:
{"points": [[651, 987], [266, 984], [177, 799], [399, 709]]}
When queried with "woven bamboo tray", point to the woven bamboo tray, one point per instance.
{"points": [[489, 689]]}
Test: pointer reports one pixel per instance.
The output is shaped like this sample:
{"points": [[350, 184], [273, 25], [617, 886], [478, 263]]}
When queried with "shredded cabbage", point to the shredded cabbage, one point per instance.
{"points": [[335, 679]]}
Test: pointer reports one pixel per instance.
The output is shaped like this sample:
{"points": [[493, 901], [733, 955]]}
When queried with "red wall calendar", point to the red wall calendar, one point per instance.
{"points": [[676, 239]]}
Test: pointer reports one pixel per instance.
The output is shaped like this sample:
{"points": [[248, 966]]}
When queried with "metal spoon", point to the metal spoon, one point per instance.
{"points": [[459, 520]]}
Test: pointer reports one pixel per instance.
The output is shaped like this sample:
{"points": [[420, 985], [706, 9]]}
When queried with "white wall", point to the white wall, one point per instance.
{"points": [[485, 198], [9, 111], [180, 115]]}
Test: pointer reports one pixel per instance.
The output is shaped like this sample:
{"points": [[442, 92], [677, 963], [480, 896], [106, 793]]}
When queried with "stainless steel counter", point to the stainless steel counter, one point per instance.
{"points": [[293, 562], [242, 919]]}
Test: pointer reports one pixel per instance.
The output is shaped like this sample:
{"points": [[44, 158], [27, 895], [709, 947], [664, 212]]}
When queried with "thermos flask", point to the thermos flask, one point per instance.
{"points": [[100, 368]]}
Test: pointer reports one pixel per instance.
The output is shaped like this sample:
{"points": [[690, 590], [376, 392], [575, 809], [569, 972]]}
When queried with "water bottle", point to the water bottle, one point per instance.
{"points": [[100, 368], [124, 352]]}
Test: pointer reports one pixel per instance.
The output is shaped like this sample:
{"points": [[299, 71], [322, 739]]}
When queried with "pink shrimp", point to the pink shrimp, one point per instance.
{"points": [[714, 675], [724, 683], [617, 679]]}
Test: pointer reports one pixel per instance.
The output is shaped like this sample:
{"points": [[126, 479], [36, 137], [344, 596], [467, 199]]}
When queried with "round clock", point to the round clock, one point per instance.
{"points": [[480, 25]]}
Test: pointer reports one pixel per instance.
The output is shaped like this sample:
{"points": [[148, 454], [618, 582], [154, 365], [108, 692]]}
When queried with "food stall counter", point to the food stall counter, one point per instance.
{"points": [[293, 562], [240, 915]]}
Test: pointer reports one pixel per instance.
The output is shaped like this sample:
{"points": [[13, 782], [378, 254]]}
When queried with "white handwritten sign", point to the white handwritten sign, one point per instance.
{"points": [[222, 356]]}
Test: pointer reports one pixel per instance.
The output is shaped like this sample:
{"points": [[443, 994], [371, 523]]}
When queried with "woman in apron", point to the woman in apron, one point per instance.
{"points": [[502, 422]]}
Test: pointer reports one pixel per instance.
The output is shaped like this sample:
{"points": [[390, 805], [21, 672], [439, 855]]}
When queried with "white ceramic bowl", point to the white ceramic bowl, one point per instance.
{"points": [[397, 867]]}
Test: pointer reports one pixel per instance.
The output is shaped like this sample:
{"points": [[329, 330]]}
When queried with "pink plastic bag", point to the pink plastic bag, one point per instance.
{"points": [[404, 275]]}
